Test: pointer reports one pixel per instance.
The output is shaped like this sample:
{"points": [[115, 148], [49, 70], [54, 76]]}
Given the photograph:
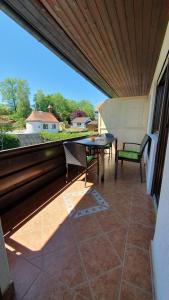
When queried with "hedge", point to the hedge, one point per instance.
{"points": [[9, 141], [46, 136]]}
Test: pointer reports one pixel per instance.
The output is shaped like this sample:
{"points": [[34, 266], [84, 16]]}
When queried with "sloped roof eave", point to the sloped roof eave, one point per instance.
{"points": [[41, 121]]}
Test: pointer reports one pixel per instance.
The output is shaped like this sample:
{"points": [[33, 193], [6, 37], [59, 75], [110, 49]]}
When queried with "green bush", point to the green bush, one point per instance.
{"points": [[9, 141], [14, 117], [73, 130], [4, 110], [46, 136], [20, 124]]}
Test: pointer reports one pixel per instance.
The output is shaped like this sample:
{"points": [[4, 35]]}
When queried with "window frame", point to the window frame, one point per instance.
{"points": [[45, 126]]}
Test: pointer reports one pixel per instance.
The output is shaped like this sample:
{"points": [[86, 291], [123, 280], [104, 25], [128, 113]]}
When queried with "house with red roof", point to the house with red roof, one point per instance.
{"points": [[41, 121]]}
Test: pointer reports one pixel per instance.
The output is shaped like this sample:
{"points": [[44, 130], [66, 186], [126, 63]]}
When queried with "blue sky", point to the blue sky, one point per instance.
{"points": [[23, 57]]}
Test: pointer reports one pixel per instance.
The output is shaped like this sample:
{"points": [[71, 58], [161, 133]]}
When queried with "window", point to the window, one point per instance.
{"points": [[158, 105], [78, 124], [45, 126], [53, 126]]}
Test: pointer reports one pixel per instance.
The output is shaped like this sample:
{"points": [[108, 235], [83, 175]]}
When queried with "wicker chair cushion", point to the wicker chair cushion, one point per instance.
{"points": [[89, 158], [128, 154]]}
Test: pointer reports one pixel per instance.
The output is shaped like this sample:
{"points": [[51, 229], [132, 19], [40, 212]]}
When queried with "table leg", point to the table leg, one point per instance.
{"points": [[115, 148], [97, 152], [102, 164]]}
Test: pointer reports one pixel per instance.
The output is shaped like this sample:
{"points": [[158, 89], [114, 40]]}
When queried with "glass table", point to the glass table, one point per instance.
{"points": [[98, 143]]}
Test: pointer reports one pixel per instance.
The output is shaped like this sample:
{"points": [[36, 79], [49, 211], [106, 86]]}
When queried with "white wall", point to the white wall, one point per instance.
{"points": [[4, 270], [126, 118], [75, 125], [160, 244], [34, 127]]}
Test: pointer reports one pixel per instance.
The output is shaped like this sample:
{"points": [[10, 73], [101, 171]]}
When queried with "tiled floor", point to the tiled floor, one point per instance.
{"points": [[61, 246]]}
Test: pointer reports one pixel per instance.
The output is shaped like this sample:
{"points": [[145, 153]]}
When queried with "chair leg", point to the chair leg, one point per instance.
{"points": [[122, 162], [97, 153], [85, 177], [116, 168], [141, 173], [67, 173]]}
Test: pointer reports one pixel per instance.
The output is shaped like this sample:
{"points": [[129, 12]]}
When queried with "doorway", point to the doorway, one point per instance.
{"points": [[160, 126]]}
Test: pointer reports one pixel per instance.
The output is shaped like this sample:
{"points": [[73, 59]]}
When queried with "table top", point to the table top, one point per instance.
{"points": [[98, 143]]}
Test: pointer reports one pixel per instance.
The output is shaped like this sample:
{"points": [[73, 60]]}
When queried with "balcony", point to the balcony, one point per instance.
{"points": [[69, 242]]}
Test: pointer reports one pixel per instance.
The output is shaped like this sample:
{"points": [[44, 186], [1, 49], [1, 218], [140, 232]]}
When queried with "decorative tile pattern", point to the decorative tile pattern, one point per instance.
{"points": [[70, 206]]}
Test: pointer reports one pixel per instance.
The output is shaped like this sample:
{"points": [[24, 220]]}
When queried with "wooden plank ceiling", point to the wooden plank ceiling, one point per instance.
{"points": [[113, 43]]}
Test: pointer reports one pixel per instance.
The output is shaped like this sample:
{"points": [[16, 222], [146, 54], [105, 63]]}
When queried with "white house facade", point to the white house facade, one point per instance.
{"points": [[80, 122], [41, 121]]}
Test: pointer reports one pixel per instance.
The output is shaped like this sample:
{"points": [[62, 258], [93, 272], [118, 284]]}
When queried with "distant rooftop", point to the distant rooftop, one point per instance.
{"points": [[94, 122], [82, 119], [41, 116]]}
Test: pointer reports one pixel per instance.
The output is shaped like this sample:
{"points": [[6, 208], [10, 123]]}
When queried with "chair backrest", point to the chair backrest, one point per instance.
{"points": [[109, 136], [144, 142], [75, 154]]}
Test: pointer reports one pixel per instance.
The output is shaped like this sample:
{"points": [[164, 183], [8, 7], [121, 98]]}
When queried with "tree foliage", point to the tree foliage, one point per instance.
{"points": [[62, 107], [87, 107], [77, 113], [8, 89], [15, 93], [23, 104], [40, 101]]}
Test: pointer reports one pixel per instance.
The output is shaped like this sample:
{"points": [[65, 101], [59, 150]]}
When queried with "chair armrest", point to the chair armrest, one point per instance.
{"points": [[128, 143]]}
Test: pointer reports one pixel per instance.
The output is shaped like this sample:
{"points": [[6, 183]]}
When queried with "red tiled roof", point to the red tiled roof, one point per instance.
{"points": [[41, 116], [81, 119]]}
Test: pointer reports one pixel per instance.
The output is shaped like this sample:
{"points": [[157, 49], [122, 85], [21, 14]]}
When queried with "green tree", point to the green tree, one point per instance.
{"points": [[58, 102], [40, 101], [8, 89], [73, 105], [60, 106], [87, 107], [23, 104]]}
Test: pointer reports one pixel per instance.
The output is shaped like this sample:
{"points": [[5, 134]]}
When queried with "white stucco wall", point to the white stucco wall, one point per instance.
{"points": [[34, 127], [75, 125], [160, 244], [4, 270], [126, 118]]}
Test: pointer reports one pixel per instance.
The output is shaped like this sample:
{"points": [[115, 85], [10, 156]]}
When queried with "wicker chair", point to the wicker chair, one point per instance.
{"points": [[133, 156], [76, 155]]}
